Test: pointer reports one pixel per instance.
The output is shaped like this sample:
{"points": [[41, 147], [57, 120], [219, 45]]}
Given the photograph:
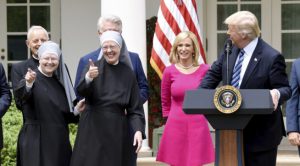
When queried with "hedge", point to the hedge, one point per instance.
{"points": [[11, 123]]}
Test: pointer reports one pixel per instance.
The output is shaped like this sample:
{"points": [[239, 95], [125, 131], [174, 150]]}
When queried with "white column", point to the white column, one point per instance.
{"points": [[133, 15]]}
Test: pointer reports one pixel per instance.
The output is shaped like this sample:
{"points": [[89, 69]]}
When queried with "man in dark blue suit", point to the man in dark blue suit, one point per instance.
{"points": [[293, 107], [114, 23], [5, 99], [263, 67], [111, 22]]}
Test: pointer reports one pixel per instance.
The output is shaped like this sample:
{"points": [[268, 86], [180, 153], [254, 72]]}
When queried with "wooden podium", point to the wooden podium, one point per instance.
{"points": [[229, 137]]}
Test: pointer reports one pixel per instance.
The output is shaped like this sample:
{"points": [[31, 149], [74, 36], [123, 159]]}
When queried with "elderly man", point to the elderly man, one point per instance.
{"points": [[36, 36], [254, 64]]}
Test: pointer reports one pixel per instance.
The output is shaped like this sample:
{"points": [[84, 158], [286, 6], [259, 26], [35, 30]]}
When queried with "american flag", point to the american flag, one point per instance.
{"points": [[173, 17]]}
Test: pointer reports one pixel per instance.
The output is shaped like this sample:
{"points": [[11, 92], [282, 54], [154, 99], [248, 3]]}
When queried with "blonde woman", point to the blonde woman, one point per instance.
{"points": [[186, 140]]}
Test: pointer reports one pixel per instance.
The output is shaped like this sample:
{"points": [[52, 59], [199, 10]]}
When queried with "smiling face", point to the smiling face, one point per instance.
{"points": [[49, 63], [35, 40], [111, 52], [185, 50]]}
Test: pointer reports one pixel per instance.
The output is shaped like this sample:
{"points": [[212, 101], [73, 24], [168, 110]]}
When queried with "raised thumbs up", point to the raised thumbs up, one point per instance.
{"points": [[93, 70], [30, 76], [91, 62]]}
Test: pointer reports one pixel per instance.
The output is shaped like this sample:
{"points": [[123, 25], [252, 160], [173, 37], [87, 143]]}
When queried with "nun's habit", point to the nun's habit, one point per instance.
{"points": [[44, 136], [103, 136]]}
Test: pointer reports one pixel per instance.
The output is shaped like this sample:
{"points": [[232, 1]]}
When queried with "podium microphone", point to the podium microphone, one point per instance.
{"points": [[228, 52]]}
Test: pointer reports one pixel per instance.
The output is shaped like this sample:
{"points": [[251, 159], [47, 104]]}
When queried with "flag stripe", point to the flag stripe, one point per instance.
{"points": [[165, 27], [192, 23], [172, 18], [163, 55], [164, 40], [158, 61], [169, 17], [176, 14], [153, 63]]}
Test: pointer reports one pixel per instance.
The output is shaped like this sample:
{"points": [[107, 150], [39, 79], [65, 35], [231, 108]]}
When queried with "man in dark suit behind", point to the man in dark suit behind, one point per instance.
{"points": [[262, 68], [5, 99], [36, 35], [293, 106], [114, 23]]}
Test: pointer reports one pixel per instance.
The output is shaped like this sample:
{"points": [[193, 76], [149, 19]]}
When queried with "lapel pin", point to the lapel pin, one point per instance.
{"points": [[255, 59]]}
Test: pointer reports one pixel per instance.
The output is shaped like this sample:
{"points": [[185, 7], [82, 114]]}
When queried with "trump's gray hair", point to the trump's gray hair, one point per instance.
{"points": [[245, 22]]}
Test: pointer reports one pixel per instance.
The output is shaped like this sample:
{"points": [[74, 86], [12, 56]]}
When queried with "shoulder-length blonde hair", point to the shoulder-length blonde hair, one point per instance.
{"points": [[174, 58]]}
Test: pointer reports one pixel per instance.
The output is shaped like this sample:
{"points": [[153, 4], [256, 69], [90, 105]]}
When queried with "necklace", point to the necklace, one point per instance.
{"points": [[185, 67]]}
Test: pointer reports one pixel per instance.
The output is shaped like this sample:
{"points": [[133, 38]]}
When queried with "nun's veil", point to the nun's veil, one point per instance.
{"points": [[64, 77], [61, 72], [124, 54]]}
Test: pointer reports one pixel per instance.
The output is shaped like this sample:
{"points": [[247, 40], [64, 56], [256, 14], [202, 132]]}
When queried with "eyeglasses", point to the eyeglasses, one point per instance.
{"points": [[111, 47]]}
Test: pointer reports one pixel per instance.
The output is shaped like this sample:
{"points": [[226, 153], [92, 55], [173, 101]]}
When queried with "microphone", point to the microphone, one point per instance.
{"points": [[228, 52], [228, 47]]}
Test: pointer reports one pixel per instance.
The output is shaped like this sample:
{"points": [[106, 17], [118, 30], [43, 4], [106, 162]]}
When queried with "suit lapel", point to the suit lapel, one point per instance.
{"points": [[96, 55], [255, 59]]}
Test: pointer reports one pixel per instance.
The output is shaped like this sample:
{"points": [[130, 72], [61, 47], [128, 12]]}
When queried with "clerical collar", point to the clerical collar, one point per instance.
{"points": [[116, 63], [36, 58], [47, 75]]}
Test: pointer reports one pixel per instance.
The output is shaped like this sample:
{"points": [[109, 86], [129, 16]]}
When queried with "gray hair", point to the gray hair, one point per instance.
{"points": [[246, 23], [109, 18], [34, 28]]}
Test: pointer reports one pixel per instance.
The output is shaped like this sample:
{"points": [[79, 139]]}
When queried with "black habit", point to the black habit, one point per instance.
{"points": [[103, 136], [44, 137]]}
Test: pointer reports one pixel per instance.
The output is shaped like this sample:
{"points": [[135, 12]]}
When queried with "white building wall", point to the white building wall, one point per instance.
{"points": [[79, 33], [152, 8], [78, 30]]}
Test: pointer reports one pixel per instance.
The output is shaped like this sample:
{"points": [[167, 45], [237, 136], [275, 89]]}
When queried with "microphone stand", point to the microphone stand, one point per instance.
{"points": [[228, 52]]}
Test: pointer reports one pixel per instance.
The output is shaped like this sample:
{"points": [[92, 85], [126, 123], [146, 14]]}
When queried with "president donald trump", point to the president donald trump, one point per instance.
{"points": [[254, 64]]}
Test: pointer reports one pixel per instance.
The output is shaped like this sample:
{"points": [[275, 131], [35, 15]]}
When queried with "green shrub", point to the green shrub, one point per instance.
{"points": [[12, 123]]}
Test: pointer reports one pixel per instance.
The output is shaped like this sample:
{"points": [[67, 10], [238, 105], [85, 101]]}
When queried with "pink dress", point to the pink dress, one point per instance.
{"points": [[186, 139]]}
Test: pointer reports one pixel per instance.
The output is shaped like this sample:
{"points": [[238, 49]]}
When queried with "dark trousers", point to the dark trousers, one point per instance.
{"points": [[133, 158], [133, 155], [261, 158]]}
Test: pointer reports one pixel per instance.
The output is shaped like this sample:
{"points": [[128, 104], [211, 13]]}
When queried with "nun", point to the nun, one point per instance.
{"points": [[112, 96], [44, 136]]}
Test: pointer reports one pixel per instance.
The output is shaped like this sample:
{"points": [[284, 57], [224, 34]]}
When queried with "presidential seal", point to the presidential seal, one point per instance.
{"points": [[227, 99]]}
